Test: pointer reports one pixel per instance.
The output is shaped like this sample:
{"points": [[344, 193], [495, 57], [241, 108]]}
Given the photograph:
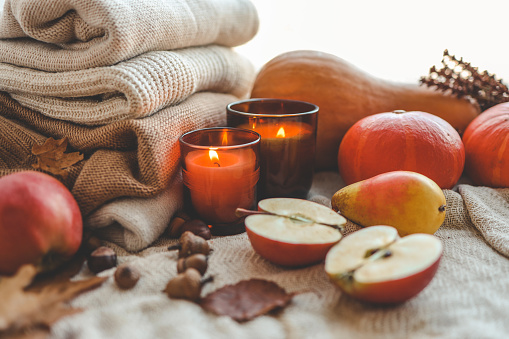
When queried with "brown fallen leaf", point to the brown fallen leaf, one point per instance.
{"points": [[51, 156], [247, 299], [25, 311]]}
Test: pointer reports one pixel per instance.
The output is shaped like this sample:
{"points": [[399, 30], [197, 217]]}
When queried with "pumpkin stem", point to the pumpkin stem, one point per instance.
{"points": [[441, 208], [399, 111]]}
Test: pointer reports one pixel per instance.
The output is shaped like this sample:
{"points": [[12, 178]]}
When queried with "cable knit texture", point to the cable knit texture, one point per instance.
{"points": [[67, 35], [135, 88]]}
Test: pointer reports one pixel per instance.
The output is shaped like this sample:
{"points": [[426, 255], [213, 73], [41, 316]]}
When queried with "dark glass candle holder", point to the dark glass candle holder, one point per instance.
{"points": [[220, 169], [288, 141]]}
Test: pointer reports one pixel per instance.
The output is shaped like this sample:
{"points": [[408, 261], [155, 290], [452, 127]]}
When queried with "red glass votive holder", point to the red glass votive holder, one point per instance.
{"points": [[220, 170], [288, 142]]}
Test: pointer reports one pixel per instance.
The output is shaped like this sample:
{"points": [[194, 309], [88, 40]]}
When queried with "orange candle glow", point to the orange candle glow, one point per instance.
{"points": [[220, 179]]}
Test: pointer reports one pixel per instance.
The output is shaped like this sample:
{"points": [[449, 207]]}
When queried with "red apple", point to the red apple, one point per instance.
{"points": [[40, 221], [293, 232], [374, 264]]}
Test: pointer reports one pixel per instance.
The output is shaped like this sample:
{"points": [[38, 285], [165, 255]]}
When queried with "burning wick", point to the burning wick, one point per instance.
{"points": [[214, 157], [280, 132]]}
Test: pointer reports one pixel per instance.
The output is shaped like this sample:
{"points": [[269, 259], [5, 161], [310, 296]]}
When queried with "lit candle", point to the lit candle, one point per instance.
{"points": [[287, 147], [219, 182], [221, 176]]}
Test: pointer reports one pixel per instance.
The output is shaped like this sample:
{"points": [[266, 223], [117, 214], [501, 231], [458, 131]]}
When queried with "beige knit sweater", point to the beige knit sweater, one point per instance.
{"points": [[65, 35]]}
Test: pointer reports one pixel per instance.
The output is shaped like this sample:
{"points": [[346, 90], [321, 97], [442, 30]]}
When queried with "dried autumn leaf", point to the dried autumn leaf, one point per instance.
{"points": [[23, 310], [247, 299], [51, 156]]}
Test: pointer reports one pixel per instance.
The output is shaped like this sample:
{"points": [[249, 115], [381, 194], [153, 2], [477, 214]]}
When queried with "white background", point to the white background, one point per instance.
{"points": [[392, 39]]}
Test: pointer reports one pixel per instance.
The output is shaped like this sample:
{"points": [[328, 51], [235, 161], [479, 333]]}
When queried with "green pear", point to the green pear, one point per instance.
{"points": [[408, 201]]}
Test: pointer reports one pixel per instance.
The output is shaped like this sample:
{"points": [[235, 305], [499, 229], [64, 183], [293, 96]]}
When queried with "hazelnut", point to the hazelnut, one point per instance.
{"points": [[182, 223], [126, 276], [174, 229], [198, 228], [101, 259]]}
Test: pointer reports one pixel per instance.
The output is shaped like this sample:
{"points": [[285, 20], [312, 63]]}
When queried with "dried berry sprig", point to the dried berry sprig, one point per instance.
{"points": [[460, 78]]}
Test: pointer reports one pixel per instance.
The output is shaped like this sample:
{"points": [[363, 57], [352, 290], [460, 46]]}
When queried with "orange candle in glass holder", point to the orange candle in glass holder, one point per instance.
{"points": [[220, 171]]}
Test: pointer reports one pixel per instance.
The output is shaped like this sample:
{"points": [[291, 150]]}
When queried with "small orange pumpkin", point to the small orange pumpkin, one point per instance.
{"points": [[410, 141], [486, 142]]}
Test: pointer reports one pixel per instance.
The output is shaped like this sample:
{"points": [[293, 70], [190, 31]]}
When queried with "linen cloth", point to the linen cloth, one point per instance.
{"points": [[66, 35], [134, 88], [468, 298], [124, 162]]}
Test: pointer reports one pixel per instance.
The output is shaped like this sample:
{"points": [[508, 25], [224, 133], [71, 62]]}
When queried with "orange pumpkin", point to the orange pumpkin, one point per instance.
{"points": [[486, 142], [345, 94], [411, 141]]}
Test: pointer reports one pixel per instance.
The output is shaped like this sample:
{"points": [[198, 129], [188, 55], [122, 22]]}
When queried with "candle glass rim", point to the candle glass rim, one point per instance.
{"points": [[223, 147], [314, 108]]}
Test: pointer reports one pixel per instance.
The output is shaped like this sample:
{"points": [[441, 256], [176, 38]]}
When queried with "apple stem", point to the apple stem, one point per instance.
{"points": [[242, 212]]}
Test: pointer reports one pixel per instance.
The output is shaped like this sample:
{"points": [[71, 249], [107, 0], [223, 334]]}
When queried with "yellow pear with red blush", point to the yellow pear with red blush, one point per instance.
{"points": [[408, 201]]}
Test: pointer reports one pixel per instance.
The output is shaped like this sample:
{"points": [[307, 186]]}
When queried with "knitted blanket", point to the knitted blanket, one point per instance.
{"points": [[134, 88], [66, 35], [467, 299]]}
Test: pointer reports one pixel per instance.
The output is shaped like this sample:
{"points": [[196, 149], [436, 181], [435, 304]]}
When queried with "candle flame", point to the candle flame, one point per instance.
{"points": [[214, 157], [281, 132]]}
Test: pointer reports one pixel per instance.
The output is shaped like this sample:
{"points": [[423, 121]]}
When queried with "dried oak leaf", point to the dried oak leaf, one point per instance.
{"points": [[247, 299], [51, 156], [25, 311]]}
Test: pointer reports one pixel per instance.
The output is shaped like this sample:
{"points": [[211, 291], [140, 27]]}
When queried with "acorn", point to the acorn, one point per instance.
{"points": [[186, 285], [101, 259], [197, 261], [126, 276], [191, 244]]}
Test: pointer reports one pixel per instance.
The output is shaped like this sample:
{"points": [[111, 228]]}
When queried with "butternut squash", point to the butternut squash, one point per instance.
{"points": [[346, 94]]}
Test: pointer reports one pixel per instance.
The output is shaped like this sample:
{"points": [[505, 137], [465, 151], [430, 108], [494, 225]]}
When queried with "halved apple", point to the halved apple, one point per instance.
{"points": [[374, 264], [293, 232]]}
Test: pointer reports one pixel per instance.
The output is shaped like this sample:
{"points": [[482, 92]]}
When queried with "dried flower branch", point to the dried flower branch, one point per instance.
{"points": [[460, 78]]}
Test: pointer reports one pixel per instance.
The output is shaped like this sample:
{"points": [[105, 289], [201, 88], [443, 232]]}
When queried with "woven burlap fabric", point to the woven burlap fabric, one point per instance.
{"points": [[131, 89], [489, 212], [468, 298], [135, 158], [66, 35]]}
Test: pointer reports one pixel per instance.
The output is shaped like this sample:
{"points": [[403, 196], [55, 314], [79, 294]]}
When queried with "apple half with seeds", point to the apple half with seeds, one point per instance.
{"points": [[375, 265], [293, 232]]}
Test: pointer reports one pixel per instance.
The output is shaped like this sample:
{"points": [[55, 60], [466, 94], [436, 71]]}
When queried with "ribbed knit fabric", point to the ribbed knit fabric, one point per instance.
{"points": [[130, 159], [467, 299], [134, 88], [66, 35]]}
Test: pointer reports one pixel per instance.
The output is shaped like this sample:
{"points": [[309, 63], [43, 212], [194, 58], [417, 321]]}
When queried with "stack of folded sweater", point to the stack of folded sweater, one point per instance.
{"points": [[122, 80]]}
